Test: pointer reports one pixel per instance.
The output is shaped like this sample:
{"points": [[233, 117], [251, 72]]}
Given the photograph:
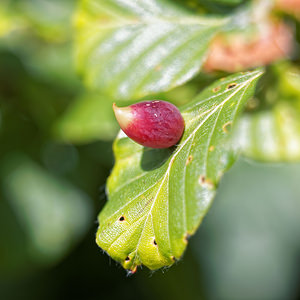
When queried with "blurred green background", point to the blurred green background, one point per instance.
{"points": [[55, 156]]}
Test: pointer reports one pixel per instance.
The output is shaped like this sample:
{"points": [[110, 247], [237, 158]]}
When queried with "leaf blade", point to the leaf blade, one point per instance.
{"points": [[137, 50], [270, 136], [160, 202], [272, 133]]}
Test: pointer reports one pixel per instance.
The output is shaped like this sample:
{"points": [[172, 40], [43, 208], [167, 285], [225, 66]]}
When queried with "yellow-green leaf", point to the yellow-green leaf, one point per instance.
{"points": [[158, 197]]}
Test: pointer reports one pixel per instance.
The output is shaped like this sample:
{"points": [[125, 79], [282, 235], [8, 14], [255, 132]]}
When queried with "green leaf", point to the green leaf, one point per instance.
{"points": [[50, 20], [288, 80], [53, 214], [90, 118], [271, 135], [158, 197], [129, 49], [271, 132], [7, 22]]}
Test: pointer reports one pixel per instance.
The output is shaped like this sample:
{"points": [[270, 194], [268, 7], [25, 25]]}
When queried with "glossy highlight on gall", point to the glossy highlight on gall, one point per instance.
{"points": [[155, 124]]}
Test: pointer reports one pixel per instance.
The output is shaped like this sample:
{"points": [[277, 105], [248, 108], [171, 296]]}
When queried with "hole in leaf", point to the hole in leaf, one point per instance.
{"points": [[127, 258], [154, 242], [122, 218], [231, 85]]}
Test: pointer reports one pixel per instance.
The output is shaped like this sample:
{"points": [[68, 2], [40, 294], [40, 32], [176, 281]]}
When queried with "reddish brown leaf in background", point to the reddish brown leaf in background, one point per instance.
{"points": [[237, 51], [289, 6]]}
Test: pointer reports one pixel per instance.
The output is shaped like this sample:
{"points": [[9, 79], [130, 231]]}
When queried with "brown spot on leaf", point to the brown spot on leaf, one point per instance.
{"points": [[201, 179], [189, 159], [205, 182], [226, 127], [231, 85], [211, 148], [216, 89]]}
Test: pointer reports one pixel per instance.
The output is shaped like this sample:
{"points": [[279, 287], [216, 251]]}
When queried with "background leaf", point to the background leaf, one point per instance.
{"points": [[53, 214], [159, 197], [271, 132], [88, 119], [130, 49], [272, 135], [219, 6]]}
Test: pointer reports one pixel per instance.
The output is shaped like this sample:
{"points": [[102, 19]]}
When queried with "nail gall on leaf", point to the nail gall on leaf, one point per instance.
{"points": [[154, 124]]}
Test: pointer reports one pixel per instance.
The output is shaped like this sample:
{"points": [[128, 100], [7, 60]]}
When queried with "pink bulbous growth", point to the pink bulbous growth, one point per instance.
{"points": [[155, 124]]}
